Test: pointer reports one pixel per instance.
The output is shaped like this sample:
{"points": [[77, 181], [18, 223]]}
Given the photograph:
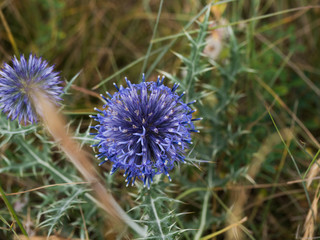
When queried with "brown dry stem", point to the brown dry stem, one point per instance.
{"points": [[56, 125], [311, 217]]}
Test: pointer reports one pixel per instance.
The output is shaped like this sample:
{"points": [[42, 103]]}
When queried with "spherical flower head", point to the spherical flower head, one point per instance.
{"points": [[19, 82], [144, 129]]}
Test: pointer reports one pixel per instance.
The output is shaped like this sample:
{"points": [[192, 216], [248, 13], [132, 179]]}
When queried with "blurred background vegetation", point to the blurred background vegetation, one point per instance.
{"points": [[253, 170]]}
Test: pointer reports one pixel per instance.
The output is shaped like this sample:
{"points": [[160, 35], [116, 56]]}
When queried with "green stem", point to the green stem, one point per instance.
{"points": [[153, 35], [195, 55], [205, 207], [12, 211]]}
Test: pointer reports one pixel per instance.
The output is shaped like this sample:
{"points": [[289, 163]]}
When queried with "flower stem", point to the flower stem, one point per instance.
{"points": [[12, 211]]}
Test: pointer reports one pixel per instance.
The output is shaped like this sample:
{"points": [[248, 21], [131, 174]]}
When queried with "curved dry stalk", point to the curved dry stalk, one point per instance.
{"points": [[311, 217], [56, 125], [314, 171]]}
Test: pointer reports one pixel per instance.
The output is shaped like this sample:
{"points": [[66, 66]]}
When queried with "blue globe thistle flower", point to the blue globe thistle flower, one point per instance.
{"points": [[144, 129], [19, 82]]}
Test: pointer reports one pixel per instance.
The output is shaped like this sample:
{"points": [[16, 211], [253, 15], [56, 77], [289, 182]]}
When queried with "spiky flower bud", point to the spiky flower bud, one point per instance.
{"points": [[144, 129], [19, 82]]}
